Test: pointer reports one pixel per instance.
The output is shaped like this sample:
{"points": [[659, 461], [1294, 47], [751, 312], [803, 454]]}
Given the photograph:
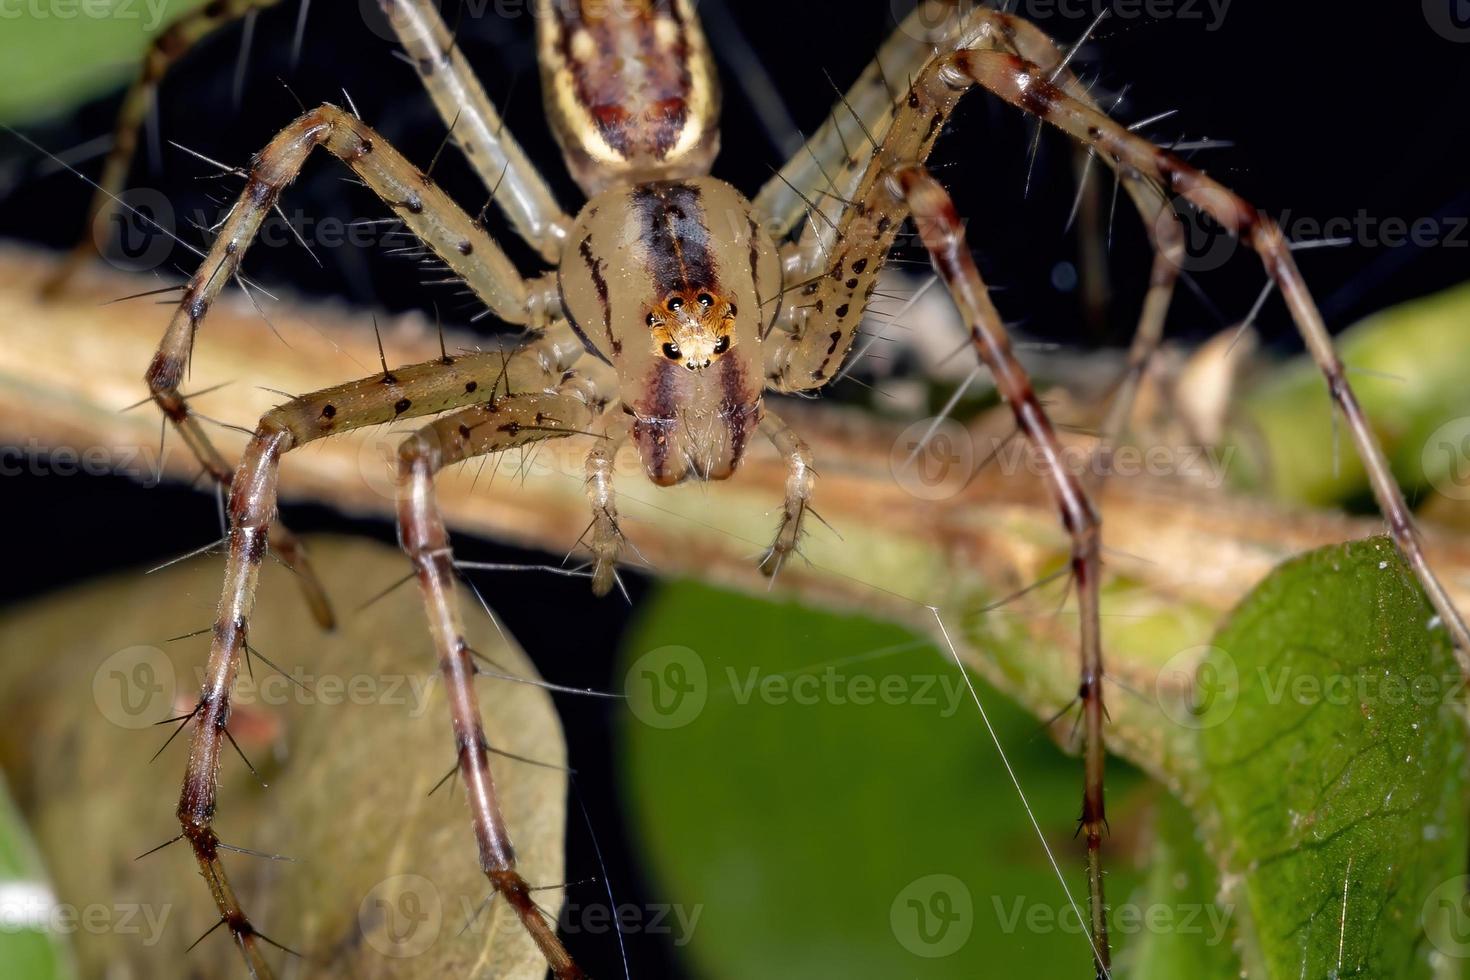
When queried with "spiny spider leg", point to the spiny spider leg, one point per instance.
{"points": [[828, 173], [939, 226], [477, 127], [1027, 86], [607, 535], [1163, 224], [472, 255], [165, 51], [799, 480], [416, 390], [432, 215], [501, 424], [816, 177]]}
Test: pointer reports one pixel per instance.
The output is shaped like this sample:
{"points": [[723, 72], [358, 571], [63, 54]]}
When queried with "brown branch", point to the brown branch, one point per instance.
{"points": [[1173, 550]]}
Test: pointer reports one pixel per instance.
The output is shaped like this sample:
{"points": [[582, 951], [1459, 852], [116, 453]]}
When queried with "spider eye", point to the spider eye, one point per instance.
{"points": [[672, 352], [733, 311], [652, 320], [723, 344], [676, 304], [705, 300]]}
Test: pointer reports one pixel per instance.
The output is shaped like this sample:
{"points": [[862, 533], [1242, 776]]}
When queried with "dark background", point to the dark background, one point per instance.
{"points": [[1331, 110]]}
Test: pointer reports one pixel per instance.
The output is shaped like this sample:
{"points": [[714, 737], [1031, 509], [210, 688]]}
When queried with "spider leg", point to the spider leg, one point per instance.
{"points": [[822, 173], [408, 392], [607, 535], [500, 424], [416, 390], [477, 127], [1027, 86], [1163, 224], [800, 478], [832, 178], [165, 51], [944, 237], [464, 246], [426, 388]]}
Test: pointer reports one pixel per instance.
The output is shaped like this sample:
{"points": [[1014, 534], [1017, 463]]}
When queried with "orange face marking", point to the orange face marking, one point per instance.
{"points": [[693, 327]]}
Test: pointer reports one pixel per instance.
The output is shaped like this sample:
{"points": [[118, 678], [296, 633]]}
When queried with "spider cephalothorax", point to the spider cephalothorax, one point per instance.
{"points": [[666, 281]]}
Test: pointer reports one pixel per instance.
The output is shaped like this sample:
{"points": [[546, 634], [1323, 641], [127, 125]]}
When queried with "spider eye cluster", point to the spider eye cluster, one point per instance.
{"points": [[692, 328]]}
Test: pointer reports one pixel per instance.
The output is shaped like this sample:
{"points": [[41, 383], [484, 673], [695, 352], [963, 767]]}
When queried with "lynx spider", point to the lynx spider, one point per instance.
{"points": [[690, 300]]}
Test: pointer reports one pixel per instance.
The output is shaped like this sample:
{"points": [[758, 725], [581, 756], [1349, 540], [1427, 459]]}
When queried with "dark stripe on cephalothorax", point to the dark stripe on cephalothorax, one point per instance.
{"points": [[655, 419], [637, 92], [738, 413], [599, 282], [676, 237]]}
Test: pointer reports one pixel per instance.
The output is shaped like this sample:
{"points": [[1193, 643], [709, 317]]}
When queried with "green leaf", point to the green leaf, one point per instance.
{"points": [[59, 53], [820, 791], [1183, 930], [1406, 365], [29, 950], [1334, 776], [351, 738]]}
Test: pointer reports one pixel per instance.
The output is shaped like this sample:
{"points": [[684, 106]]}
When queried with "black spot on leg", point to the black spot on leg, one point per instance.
{"points": [[1039, 98], [1080, 573], [466, 248], [402, 405], [859, 266], [470, 386], [464, 432], [852, 283], [258, 191], [198, 307], [255, 551], [841, 311], [329, 412]]}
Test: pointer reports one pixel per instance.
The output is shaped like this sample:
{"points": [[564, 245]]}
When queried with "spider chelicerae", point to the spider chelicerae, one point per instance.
{"points": [[672, 306]]}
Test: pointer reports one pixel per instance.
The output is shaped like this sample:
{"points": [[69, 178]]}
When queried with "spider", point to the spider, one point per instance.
{"points": [[672, 306]]}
